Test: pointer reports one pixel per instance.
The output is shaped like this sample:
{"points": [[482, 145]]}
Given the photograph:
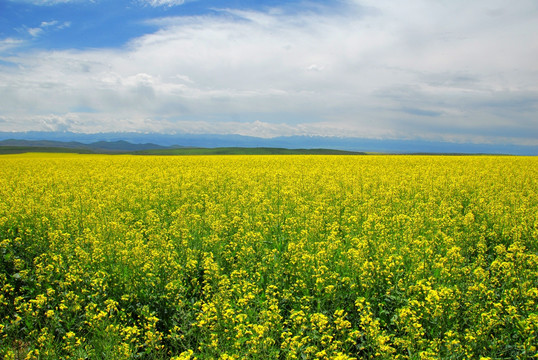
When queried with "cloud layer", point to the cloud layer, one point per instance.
{"points": [[460, 71]]}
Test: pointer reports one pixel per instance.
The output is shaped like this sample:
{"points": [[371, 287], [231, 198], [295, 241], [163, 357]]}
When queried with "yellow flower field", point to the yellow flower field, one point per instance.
{"points": [[268, 257]]}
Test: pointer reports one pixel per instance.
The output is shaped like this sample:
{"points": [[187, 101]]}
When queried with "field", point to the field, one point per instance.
{"points": [[268, 257]]}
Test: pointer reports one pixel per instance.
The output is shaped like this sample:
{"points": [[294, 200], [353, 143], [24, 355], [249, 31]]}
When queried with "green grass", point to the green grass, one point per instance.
{"points": [[246, 151]]}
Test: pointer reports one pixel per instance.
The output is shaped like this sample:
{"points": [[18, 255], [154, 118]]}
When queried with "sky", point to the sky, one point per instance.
{"points": [[459, 71]]}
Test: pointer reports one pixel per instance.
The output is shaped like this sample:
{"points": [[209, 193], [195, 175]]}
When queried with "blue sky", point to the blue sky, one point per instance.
{"points": [[79, 24], [434, 70]]}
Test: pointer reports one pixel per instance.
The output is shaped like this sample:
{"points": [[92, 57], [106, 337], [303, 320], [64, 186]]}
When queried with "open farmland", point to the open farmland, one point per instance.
{"points": [[268, 257]]}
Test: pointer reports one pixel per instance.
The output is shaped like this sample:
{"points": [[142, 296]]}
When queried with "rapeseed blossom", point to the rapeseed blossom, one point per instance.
{"points": [[268, 257]]}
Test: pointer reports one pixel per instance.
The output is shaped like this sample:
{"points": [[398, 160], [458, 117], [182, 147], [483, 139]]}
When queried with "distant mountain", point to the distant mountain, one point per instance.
{"points": [[123, 147], [95, 147], [12, 146], [107, 142], [42, 143]]}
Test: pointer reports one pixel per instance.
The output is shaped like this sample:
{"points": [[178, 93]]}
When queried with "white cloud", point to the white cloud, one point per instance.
{"points": [[35, 31], [315, 67], [45, 24], [166, 3], [64, 25], [455, 70], [10, 43], [48, 25]]}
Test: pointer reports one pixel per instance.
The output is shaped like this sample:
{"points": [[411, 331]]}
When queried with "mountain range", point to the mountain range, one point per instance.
{"points": [[133, 142]]}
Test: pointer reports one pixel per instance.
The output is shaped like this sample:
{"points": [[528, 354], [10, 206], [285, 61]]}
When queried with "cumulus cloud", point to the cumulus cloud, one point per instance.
{"points": [[455, 70]]}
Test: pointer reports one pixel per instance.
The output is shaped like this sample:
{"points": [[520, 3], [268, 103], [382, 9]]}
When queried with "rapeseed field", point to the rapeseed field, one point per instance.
{"points": [[268, 257]]}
